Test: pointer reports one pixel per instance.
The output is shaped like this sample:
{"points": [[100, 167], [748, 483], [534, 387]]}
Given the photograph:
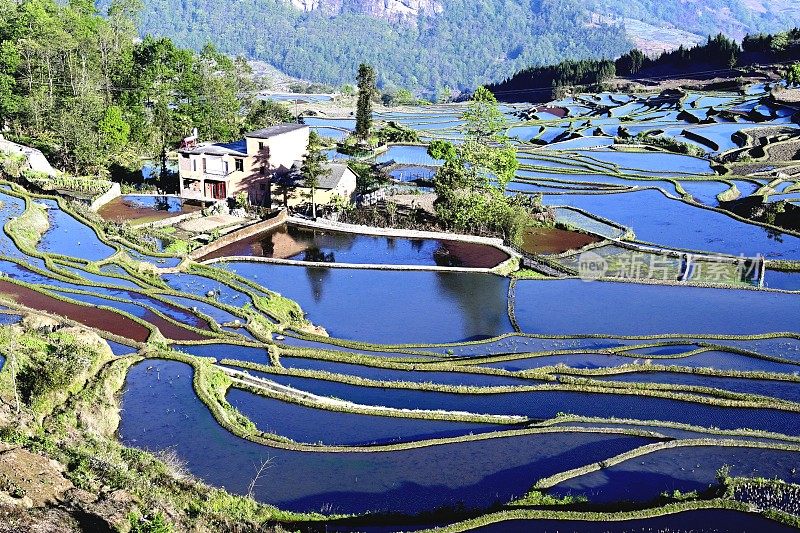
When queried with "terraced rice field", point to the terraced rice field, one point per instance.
{"points": [[424, 397]]}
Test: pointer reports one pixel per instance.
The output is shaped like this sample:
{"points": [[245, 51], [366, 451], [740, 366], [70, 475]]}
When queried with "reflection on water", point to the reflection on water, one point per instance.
{"points": [[312, 245], [391, 306], [161, 410]]}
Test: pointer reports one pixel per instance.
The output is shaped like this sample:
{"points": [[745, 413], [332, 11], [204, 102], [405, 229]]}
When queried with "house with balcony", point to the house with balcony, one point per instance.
{"points": [[210, 172]]}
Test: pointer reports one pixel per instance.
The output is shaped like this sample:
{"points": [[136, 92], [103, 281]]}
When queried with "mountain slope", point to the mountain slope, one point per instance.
{"points": [[456, 43]]}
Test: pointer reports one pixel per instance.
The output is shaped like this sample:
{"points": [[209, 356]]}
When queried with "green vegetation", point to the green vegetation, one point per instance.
{"points": [[82, 87], [793, 74], [464, 45], [393, 132], [313, 168], [547, 82], [665, 143], [470, 185], [69, 412], [29, 227], [541, 83], [366, 92]]}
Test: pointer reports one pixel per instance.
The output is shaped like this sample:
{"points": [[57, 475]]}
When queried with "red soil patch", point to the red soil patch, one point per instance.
{"points": [[172, 331], [87, 315], [94, 317], [560, 112], [472, 255], [554, 240]]}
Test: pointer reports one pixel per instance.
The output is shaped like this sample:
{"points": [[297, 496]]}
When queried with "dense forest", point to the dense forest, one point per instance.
{"points": [[718, 54], [467, 44], [82, 87]]}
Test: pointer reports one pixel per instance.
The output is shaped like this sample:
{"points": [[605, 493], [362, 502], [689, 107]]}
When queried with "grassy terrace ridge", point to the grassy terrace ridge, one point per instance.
{"points": [[412, 347], [553, 480], [589, 516], [75, 425], [702, 395]]}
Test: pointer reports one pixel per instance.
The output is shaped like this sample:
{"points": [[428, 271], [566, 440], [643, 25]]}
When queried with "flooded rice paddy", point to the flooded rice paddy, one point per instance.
{"points": [[499, 382]]}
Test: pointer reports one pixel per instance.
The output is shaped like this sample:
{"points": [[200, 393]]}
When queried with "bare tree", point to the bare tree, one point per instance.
{"points": [[265, 463]]}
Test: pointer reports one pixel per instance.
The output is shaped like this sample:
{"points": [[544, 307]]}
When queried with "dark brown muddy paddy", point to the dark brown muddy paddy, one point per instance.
{"points": [[142, 209], [555, 240], [560, 112], [95, 317], [302, 244], [87, 315]]}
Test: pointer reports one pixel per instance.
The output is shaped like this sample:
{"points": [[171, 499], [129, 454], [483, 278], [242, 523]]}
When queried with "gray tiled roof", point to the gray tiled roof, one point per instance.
{"points": [[272, 131], [329, 181]]}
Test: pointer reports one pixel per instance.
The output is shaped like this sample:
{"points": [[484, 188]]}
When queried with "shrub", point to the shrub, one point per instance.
{"points": [[156, 524], [53, 367]]}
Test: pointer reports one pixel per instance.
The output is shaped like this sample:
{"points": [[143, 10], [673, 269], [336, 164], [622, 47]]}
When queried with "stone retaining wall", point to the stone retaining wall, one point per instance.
{"points": [[171, 221], [407, 233], [356, 266], [244, 233], [113, 192]]}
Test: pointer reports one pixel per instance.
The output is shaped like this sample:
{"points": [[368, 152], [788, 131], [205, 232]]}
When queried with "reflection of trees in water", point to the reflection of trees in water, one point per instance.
{"points": [[443, 256], [774, 235], [168, 179], [482, 298], [317, 277], [161, 203], [336, 240], [315, 255], [267, 245], [417, 244]]}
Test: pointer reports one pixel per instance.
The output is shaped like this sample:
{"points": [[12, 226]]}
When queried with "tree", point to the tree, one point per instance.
{"points": [[267, 113], [366, 92], [793, 74], [394, 132], [439, 149], [484, 120], [631, 63], [314, 168], [113, 129]]}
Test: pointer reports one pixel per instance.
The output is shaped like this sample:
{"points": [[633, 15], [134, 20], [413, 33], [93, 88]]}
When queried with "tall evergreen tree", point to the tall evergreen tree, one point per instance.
{"points": [[366, 92], [314, 168]]}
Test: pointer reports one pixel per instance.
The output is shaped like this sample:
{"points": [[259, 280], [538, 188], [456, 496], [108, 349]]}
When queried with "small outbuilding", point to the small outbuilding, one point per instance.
{"points": [[289, 190]]}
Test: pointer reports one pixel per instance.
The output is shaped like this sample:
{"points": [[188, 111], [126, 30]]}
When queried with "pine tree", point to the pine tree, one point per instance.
{"points": [[366, 92], [314, 168]]}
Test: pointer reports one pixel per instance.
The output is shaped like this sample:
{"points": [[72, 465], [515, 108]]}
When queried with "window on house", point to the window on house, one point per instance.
{"points": [[260, 146], [194, 165], [204, 164], [225, 166], [239, 165]]}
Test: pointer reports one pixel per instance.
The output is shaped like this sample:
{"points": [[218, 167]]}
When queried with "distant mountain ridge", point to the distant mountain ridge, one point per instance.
{"points": [[426, 44], [390, 10]]}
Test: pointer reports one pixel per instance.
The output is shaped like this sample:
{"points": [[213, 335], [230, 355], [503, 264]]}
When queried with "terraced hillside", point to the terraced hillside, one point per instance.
{"points": [[663, 392]]}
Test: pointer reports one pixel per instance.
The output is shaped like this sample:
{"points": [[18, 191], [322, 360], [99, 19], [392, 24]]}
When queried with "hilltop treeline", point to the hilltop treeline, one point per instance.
{"points": [[464, 45], [87, 91], [718, 53]]}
